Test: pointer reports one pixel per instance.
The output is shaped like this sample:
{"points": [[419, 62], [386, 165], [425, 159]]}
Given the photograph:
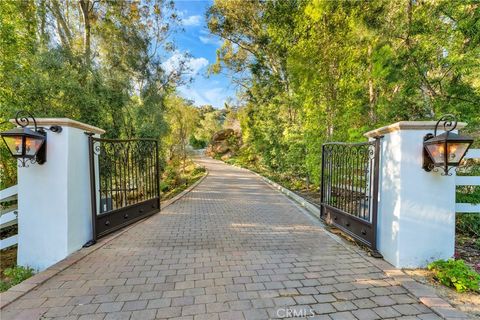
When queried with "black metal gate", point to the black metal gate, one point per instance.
{"points": [[349, 189], [124, 177]]}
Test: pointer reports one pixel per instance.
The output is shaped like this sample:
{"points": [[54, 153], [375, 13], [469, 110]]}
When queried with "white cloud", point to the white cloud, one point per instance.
{"points": [[197, 64], [214, 96], [193, 65], [210, 40], [173, 62], [192, 21]]}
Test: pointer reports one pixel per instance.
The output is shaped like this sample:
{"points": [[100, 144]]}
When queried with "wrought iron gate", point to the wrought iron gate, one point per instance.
{"points": [[349, 189], [124, 177]]}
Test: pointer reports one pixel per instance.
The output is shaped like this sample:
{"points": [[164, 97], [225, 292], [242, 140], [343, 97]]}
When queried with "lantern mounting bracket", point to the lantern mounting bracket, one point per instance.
{"points": [[449, 123], [22, 119], [41, 156], [427, 161]]}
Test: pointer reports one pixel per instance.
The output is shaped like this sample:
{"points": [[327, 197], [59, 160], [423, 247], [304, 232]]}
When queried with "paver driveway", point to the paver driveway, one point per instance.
{"points": [[233, 248]]}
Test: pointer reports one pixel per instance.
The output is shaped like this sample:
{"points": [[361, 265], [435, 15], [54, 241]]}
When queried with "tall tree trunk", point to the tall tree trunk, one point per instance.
{"points": [[43, 17], [62, 26], [371, 91], [86, 6]]}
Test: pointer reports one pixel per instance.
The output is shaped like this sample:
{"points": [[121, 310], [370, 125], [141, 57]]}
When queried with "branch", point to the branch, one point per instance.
{"points": [[61, 22]]}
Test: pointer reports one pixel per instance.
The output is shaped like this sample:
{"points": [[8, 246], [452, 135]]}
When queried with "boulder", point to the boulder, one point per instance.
{"points": [[224, 144], [222, 135], [226, 156]]}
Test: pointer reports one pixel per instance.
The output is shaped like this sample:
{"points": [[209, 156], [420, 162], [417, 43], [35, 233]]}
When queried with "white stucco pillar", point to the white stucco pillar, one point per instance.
{"points": [[416, 213], [54, 206]]}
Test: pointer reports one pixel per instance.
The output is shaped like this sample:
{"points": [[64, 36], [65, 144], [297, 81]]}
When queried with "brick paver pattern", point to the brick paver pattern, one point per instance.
{"points": [[233, 248]]}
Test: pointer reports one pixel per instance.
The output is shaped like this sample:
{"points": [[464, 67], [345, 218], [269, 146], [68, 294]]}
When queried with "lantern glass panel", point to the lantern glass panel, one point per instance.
{"points": [[32, 145], [14, 143], [456, 150], [437, 152]]}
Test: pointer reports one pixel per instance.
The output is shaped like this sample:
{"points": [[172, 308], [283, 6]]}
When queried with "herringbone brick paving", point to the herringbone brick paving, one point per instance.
{"points": [[233, 248]]}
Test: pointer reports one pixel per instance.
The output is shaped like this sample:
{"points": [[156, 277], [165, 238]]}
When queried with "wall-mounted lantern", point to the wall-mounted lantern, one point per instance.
{"points": [[445, 150], [26, 144]]}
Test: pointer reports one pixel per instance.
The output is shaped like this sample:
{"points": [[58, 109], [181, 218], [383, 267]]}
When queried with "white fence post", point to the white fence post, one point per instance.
{"points": [[416, 214], [469, 181], [54, 198]]}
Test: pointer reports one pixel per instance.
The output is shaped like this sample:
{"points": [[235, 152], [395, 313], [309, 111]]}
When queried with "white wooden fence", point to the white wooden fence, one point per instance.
{"points": [[469, 181], [8, 215]]}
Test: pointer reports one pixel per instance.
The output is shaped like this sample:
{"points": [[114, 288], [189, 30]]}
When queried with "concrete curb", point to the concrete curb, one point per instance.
{"points": [[33, 282], [425, 294], [311, 208]]}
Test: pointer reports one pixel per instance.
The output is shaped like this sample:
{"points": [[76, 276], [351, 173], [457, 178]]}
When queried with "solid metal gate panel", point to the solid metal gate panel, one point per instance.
{"points": [[349, 189], [125, 185]]}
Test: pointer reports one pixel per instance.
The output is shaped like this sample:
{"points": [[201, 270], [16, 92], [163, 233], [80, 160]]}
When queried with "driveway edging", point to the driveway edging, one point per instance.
{"points": [[16, 292]]}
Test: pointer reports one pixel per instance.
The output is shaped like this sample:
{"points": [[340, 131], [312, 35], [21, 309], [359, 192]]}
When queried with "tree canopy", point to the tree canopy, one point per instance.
{"points": [[307, 71], [311, 71], [96, 61]]}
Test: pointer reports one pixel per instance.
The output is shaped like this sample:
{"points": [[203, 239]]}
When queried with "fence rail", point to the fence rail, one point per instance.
{"points": [[8, 215], [468, 181]]}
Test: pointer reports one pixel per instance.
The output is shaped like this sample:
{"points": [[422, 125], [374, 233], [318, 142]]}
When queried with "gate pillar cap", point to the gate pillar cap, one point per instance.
{"points": [[407, 125], [66, 122]]}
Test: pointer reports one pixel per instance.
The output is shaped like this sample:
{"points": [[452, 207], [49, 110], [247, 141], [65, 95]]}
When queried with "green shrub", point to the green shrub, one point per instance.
{"points": [[456, 274], [468, 194], [164, 186], [197, 143], [14, 276], [198, 170], [468, 224]]}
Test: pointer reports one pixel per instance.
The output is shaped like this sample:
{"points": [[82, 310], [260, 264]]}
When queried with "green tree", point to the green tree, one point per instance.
{"points": [[208, 126], [312, 71], [182, 120], [98, 62]]}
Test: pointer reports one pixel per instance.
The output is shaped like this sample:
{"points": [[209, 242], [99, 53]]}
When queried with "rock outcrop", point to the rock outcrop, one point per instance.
{"points": [[224, 144]]}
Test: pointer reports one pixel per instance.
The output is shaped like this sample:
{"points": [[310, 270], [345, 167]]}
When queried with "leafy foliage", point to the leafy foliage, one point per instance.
{"points": [[175, 181], [14, 276], [314, 71], [468, 194], [468, 224], [99, 62], [456, 274], [196, 143]]}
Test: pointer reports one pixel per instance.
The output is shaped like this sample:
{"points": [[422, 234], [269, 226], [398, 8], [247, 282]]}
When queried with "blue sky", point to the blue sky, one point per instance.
{"points": [[201, 45]]}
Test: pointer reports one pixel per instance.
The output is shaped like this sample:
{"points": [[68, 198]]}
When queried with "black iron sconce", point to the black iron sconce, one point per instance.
{"points": [[25, 144], [445, 150]]}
